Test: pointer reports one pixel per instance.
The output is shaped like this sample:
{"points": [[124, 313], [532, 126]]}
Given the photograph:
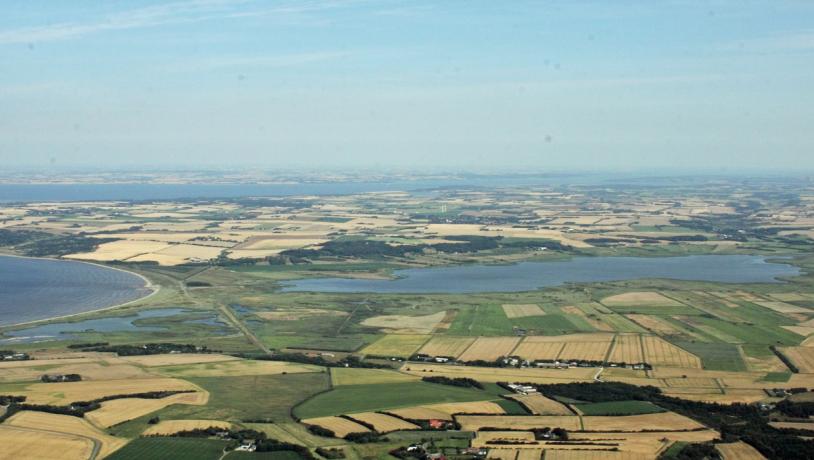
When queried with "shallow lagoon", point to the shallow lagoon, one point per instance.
{"points": [[527, 276], [63, 331], [33, 289]]}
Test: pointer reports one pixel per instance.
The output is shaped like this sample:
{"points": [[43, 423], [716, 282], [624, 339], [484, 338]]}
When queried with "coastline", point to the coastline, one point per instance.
{"points": [[154, 289]]}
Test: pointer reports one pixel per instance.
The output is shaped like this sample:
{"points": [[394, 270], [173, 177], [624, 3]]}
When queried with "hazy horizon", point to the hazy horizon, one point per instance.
{"points": [[713, 87]]}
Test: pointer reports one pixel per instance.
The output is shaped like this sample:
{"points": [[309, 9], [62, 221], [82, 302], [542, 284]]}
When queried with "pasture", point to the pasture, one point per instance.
{"points": [[382, 397], [169, 427], [174, 448], [398, 345], [353, 376]]}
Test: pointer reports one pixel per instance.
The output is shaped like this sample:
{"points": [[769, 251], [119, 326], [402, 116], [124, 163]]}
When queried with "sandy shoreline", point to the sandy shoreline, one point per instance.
{"points": [[147, 284]]}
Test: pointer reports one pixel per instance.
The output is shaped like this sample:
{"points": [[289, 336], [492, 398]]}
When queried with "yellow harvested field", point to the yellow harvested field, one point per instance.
{"points": [[400, 345], [540, 405], [635, 299], [177, 358], [666, 421], [572, 338], [649, 444], [792, 297], [794, 425], [490, 374], [483, 438], [739, 451], [534, 350], [489, 348], [502, 454], [63, 393], [421, 413], [782, 307], [340, 426], [659, 352], [237, 367], [298, 314], [406, 324], [66, 424], [802, 357], [446, 346], [558, 453], [89, 371], [120, 250], [518, 422], [804, 331], [27, 444], [288, 241], [121, 410], [627, 349], [591, 351], [383, 423], [691, 382], [522, 310], [177, 254], [477, 407], [46, 362], [506, 231], [529, 454], [357, 376], [167, 427], [654, 324]]}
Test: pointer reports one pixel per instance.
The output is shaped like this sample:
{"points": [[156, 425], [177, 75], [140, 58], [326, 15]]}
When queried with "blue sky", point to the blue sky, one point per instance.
{"points": [[572, 85]]}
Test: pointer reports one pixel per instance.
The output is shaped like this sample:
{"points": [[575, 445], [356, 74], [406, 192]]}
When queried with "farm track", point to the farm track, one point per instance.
{"points": [[227, 313]]}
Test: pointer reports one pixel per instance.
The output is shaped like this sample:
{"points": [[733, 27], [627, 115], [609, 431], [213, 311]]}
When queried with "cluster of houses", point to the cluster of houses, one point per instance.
{"points": [[57, 378], [8, 355], [515, 361], [522, 389]]}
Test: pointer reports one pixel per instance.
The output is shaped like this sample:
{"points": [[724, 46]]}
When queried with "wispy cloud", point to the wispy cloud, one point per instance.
{"points": [[188, 11]]}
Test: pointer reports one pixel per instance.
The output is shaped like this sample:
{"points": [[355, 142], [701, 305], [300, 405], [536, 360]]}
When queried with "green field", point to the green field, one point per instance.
{"points": [[512, 407], [715, 356], [278, 455], [364, 398], [171, 449], [619, 408]]}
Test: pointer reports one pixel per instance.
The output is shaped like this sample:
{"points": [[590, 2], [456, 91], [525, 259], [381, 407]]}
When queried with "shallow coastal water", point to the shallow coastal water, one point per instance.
{"points": [[534, 275], [32, 289], [128, 323]]}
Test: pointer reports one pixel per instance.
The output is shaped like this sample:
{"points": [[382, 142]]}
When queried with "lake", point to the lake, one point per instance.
{"points": [[527, 276], [32, 289], [127, 323]]}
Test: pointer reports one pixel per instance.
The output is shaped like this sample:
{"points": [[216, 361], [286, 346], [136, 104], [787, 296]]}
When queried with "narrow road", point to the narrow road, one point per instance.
{"points": [[227, 313], [236, 322]]}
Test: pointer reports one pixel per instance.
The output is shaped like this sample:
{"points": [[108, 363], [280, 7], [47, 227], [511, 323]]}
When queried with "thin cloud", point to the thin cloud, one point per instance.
{"points": [[167, 14]]}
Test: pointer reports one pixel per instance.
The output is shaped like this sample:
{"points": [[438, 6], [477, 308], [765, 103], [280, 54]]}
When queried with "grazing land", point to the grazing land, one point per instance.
{"points": [[175, 448]]}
